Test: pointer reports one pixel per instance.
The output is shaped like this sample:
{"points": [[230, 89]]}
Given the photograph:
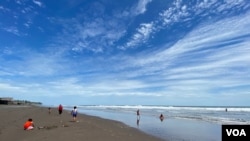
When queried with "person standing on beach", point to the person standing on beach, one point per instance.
{"points": [[138, 114], [138, 117], [49, 110], [28, 125], [74, 113], [60, 109]]}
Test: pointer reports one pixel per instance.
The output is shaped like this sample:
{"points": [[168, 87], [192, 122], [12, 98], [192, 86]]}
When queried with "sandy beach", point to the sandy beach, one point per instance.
{"points": [[61, 127]]}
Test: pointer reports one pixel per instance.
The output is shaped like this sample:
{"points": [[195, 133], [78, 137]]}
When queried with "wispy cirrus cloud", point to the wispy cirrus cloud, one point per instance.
{"points": [[141, 36], [180, 12], [4, 9], [9, 88], [102, 33], [210, 59], [96, 35], [95, 53], [141, 7], [201, 63], [12, 29], [21, 15], [40, 4]]}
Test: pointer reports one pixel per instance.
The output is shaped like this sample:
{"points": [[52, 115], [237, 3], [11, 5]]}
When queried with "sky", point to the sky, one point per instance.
{"points": [[126, 52]]}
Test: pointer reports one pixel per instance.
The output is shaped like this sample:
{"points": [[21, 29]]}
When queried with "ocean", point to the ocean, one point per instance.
{"points": [[181, 123]]}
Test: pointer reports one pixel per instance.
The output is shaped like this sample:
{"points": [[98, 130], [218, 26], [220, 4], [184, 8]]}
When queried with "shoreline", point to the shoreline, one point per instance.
{"points": [[171, 128], [54, 126]]}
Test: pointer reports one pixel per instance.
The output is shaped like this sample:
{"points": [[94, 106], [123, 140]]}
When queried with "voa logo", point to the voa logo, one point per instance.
{"points": [[236, 132]]}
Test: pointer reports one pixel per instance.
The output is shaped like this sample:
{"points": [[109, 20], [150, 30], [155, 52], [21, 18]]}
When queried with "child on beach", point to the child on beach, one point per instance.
{"points": [[28, 125], [74, 113]]}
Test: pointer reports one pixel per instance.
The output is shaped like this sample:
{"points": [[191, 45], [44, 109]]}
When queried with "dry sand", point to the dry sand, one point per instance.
{"points": [[55, 127]]}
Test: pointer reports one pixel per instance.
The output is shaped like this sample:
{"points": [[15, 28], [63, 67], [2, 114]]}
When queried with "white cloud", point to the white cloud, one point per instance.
{"points": [[31, 63], [141, 36], [38, 3], [4, 9], [175, 13], [180, 12], [141, 7], [211, 56], [19, 2], [13, 30], [95, 35], [8, 87], [137, 9]]}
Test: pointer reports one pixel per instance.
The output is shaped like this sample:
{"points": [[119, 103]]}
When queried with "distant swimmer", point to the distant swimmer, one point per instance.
{"points": [[226, 109], [161, 117]]}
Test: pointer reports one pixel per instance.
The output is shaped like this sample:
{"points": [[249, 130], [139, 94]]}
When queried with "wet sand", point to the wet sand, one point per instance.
{"points": [[52, 127]]}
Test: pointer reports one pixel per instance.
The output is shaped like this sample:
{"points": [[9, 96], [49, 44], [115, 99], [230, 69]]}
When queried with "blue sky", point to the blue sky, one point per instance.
{"points": [[153, 52]]}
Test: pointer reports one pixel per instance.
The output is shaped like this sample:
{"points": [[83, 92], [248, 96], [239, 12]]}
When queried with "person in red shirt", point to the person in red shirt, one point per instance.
{"points": [[28, 125], [60, 109]]}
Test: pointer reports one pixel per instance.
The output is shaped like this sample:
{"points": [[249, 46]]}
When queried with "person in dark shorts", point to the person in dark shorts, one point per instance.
{"points": [[74, 113]]}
